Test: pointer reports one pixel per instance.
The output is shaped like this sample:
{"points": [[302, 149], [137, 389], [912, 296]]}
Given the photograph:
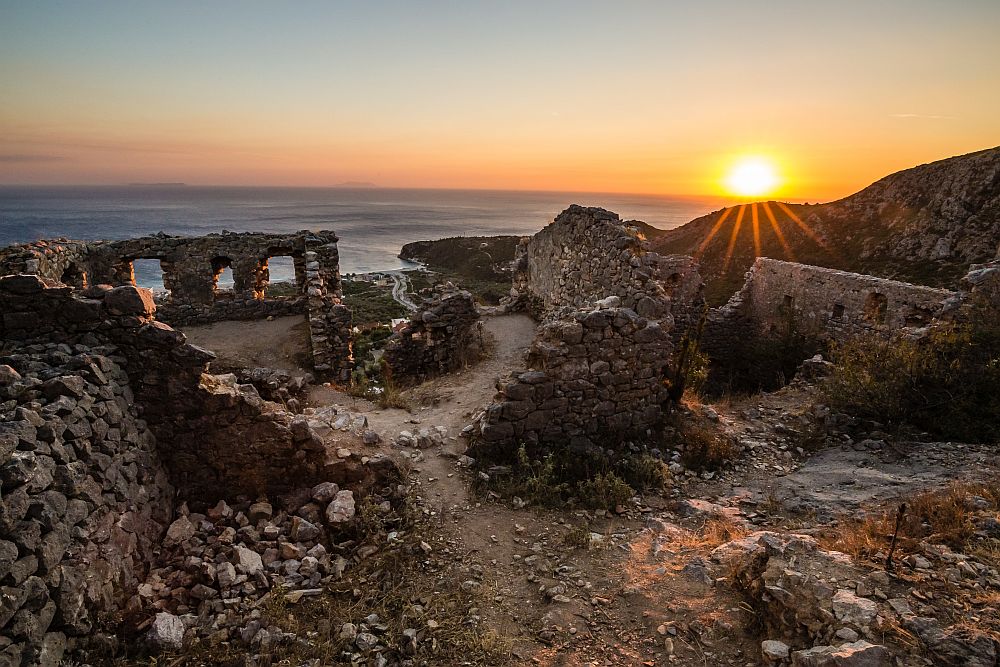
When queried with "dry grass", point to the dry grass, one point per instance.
{"points": [[719, 530], [944, 516], [392, 396]]}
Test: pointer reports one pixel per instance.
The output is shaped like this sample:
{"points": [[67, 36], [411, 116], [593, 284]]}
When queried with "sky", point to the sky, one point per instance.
{"points": [[625, 96]]}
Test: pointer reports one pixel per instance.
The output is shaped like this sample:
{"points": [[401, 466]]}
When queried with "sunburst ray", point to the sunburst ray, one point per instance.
{"points": [[789, 255], [756, 229], [732, 239], [803, 226], [715, 230]]}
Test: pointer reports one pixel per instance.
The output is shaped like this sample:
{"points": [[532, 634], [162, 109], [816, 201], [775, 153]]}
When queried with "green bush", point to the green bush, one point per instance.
{"points": [[947, 383]]}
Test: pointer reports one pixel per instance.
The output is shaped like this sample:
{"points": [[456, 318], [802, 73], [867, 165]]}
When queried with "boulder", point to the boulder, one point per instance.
{"points": [[855, 654], [166, 633], [341, 509]]}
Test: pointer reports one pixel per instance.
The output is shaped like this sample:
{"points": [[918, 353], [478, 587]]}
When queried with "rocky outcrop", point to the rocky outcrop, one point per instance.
{"points": [[827, 611], [435, 341]]}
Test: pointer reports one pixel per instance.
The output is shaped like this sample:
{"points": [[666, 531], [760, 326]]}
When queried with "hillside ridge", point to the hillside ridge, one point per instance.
{"points": [[925, 224]]}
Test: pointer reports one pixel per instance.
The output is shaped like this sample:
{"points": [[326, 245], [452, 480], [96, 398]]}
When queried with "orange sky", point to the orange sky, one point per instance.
{"points": [[579, 96]]}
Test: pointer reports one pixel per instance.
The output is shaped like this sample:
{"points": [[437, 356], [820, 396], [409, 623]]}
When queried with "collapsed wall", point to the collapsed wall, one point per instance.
{"points": [[105, 414], [816, 302], [435, 341], [608, 306], [191, 269]]}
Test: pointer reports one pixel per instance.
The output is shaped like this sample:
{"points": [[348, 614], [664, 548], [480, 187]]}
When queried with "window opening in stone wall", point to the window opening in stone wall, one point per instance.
{"points": [[876, 307], [148, 272], [74, 276], [222, 274], [838, 311], [279, 274]]}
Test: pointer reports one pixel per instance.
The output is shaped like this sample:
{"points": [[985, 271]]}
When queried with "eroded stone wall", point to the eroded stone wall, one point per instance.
{"points": [[220, 432], [587, 254], [609, 308], [818, 302], [595, 379], [435, 340], [85, 497]]}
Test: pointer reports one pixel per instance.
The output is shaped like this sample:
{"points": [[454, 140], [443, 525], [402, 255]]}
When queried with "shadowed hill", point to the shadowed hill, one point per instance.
{"points": [[923, 225]]}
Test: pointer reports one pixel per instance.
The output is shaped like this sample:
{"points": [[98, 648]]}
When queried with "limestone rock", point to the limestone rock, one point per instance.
{"points": [[341, 508], [166, 633], [856, 654]]}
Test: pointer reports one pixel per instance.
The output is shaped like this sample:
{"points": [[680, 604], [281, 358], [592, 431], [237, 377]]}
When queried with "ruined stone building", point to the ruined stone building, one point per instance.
{"points": [[191, 268]]}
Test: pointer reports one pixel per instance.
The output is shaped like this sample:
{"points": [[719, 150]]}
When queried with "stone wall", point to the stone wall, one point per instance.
{"points": [[191, 269], [587, 254], [435, 340], [608, 305], [221, 433], [595, 379], [817, 302], [85, 497]]}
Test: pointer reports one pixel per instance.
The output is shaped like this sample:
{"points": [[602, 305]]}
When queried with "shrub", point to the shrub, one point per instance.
{"points": [[945, 383], [590, 479]]}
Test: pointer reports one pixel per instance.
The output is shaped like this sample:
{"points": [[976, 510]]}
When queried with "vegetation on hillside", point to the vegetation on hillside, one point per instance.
{"points": [[945, 384], [371, 304], [479, 264]]}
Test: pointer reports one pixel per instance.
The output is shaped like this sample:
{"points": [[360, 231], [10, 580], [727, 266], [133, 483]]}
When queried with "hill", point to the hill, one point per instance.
{"points": [[482, 257], [923, 225]]}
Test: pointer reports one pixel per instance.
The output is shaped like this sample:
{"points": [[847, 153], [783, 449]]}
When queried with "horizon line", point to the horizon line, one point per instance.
{"points": [[166, 185]]}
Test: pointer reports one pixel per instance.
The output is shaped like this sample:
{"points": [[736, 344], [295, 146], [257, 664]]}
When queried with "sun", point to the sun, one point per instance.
{"points": [[752, 177]]}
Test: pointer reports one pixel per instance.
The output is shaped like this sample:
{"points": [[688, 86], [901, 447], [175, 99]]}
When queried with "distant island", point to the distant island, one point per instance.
{"points": [[157, 185], [356, 184]]}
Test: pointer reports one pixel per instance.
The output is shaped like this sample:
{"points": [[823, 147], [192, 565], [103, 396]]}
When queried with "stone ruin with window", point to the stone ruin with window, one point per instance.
{"points": [[191, 268]]}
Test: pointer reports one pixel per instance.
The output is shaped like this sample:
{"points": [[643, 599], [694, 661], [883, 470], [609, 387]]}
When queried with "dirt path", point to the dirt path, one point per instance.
{"points": [[282, 342], [605, 601]]}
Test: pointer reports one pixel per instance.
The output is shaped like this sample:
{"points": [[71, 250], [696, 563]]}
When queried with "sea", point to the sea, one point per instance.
{"points": [[372, 223]]}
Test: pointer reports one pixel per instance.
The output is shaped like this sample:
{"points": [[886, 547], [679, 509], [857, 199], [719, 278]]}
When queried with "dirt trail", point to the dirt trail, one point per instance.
{"points": [[636, 595]]}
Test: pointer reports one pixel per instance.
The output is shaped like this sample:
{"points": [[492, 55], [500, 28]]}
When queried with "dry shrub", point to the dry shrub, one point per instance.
{"points": [[943, 516], [559, 478], [392, 396], [706, 447]]}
